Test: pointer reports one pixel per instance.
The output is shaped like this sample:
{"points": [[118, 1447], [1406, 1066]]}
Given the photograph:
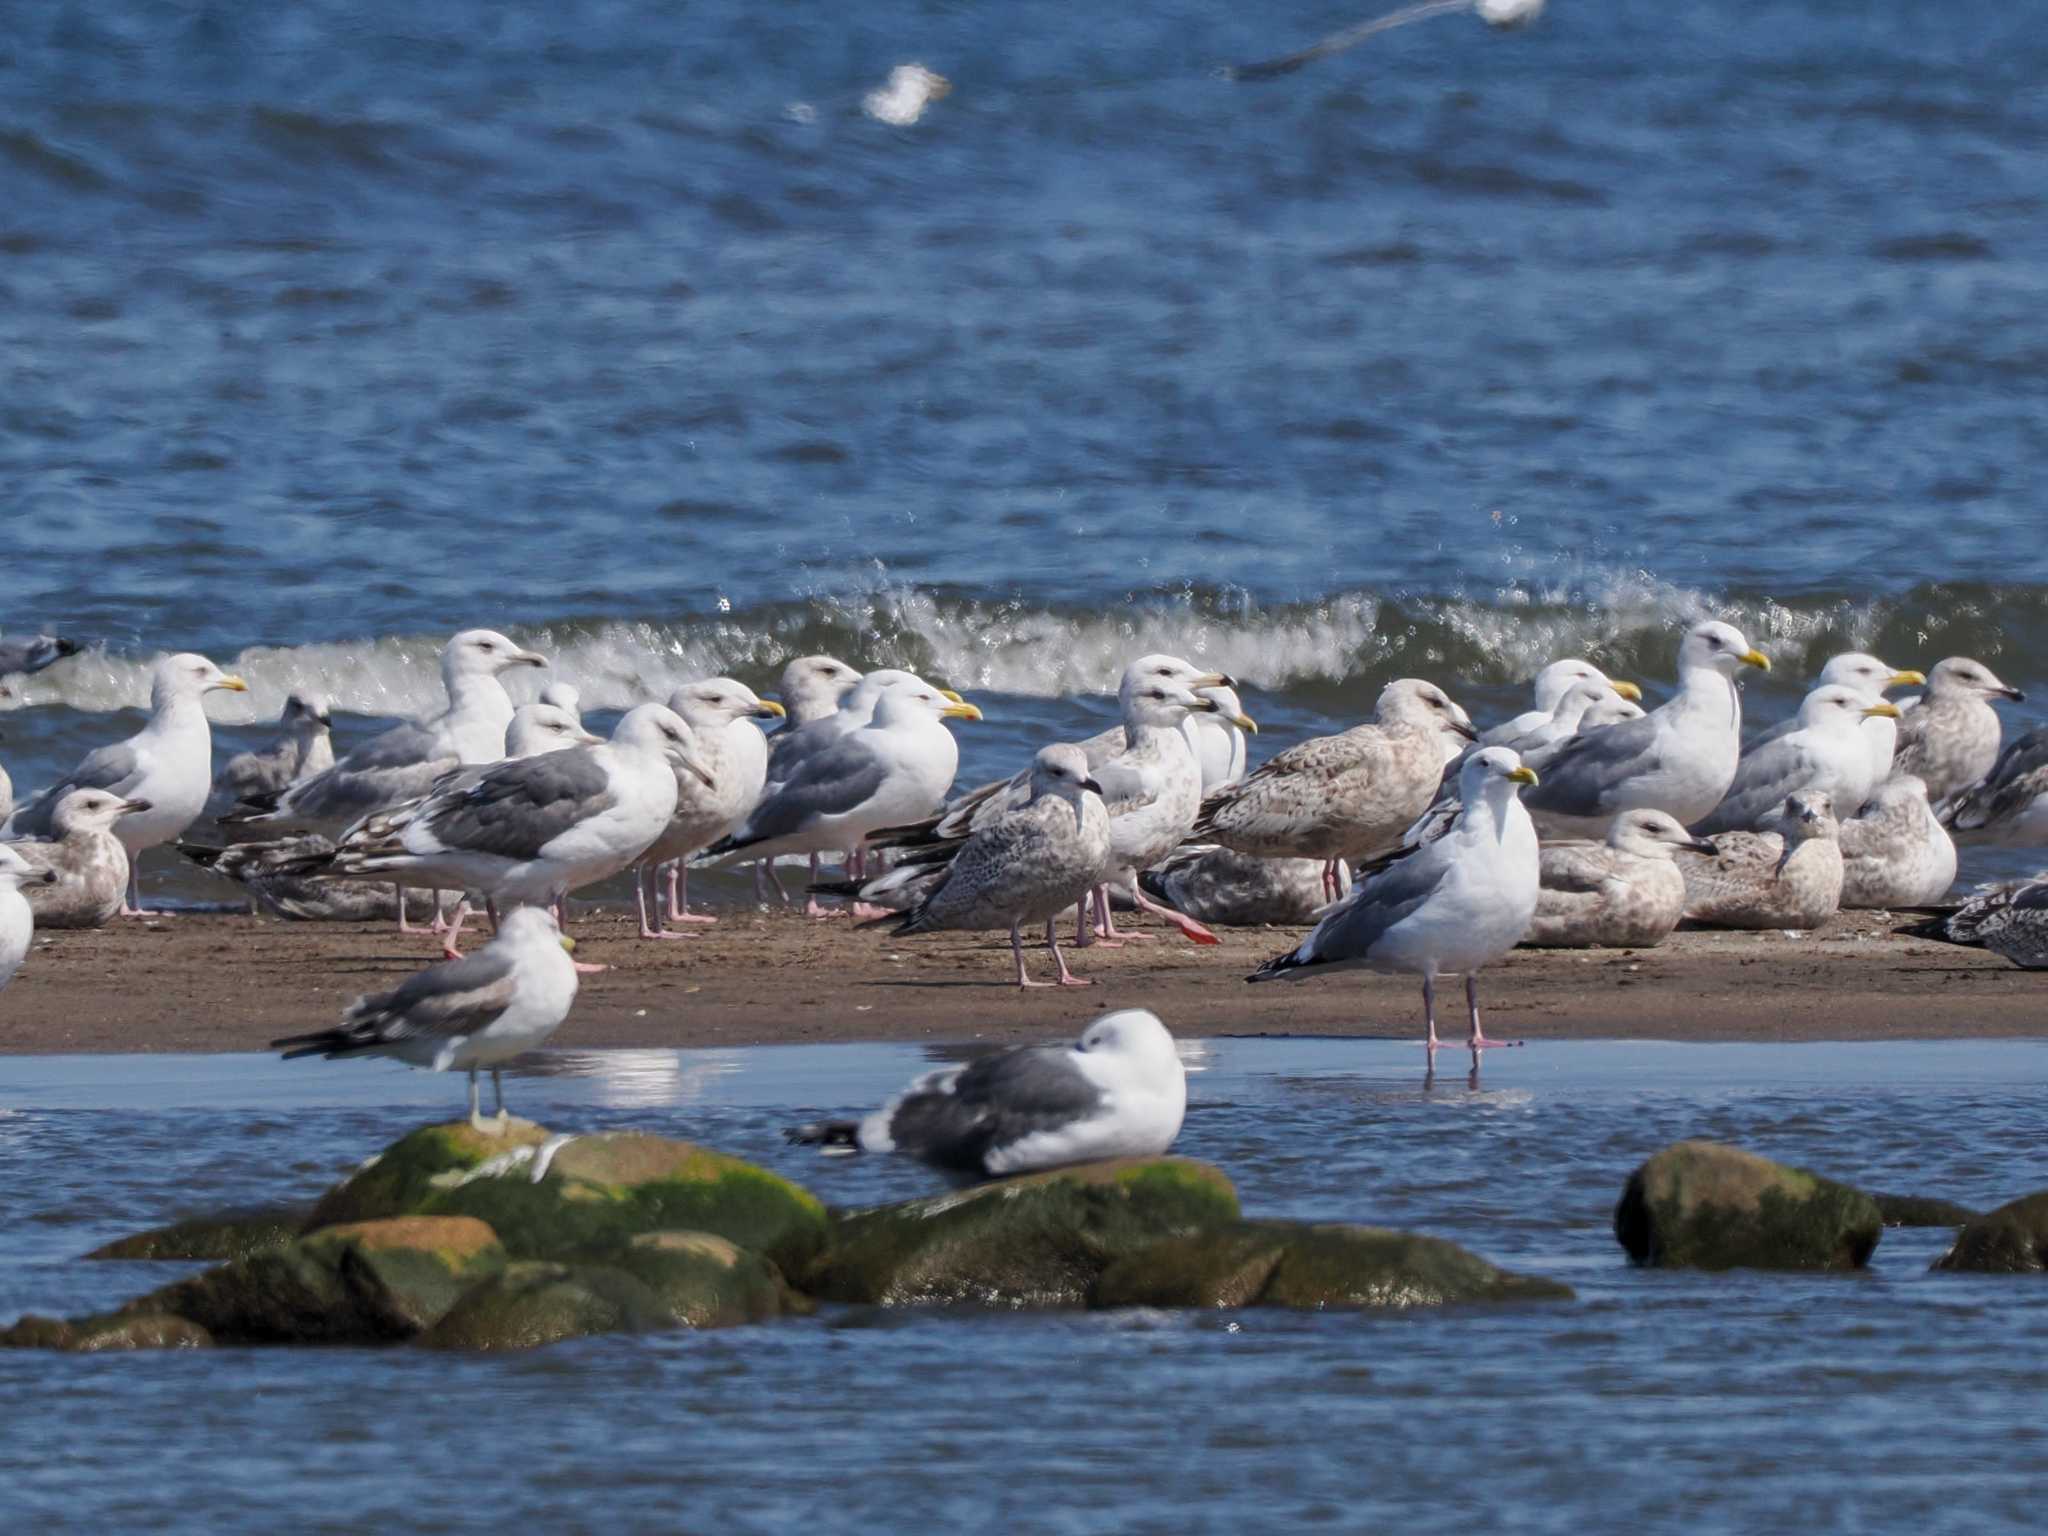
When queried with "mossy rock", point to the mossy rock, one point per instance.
{"points": [[1701, 1205], [354, 1283], [1315, 1266], [705, 1281], [1039, 1240], [1922, 1211], [595, 1192], [2011, 1240], [215, 1239], [530, 1304], [106, 1333]]}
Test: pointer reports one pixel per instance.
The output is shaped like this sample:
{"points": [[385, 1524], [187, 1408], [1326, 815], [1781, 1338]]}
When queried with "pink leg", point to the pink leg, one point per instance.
{"points": [[403, 925], [642, 879], [134, 907], [811, 907], [1477, 1040], [1429, 1013], [1017, 951], [679, 911], [1052, 942], [454, 933], [1107, 931], [1194, 931]]}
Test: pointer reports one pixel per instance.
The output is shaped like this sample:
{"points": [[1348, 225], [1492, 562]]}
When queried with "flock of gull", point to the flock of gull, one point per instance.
{"points": [[1414, 843]]}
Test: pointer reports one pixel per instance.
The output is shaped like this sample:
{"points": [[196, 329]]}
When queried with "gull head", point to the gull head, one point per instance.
{"points": [[903, 703], [657, 728], [306, 713], [188, 675], [15, 871], [1062, 769], [92, 810], [1866, 674], [1165, 704], [1493, 773], [1835, 706], [1411, 701], [1900, 789], [1174, 670], [718, 701], [564, 696], [1558, 679], [1654, 835], [1609, 709], [1228, 706], [538, 728], [812, 686], [1720, 646], [1581, 697], [1135, 1033], [1961, 676], [1808, 814], [484, 653]]}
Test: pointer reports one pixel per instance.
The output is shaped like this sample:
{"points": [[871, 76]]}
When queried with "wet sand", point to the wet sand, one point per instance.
{"points": [[232, 983]]}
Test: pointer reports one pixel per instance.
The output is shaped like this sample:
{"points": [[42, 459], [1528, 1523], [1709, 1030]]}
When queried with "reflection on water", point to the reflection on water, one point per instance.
{"points": [[1702, 1404]]}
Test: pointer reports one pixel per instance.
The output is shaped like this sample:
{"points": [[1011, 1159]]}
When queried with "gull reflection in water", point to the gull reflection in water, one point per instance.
{"points": [[638, 1079]]}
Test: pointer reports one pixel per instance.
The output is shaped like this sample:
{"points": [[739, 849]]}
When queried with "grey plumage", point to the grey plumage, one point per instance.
{"points": [[457, 998], [1788, 876], [2009, 919], [517, 808], [25, 655], [304, 746], [1218, 886], [1827, 753], [992, 1102], [833, 778], [2009, 805], [1950, 740], [268, 871], [1894, 852]]}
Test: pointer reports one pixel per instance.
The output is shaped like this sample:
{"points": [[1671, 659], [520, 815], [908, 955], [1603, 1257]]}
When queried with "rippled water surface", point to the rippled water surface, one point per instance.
{"points": [[1890, 1400]]}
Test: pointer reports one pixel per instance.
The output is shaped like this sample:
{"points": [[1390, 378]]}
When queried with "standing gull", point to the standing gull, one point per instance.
{"points": [[1448, 906], [169, 763], [1873, 679], [1894, 852], [1828, 753], [463, 1015], [2009, 805], [1950, 739], [1788, 875], [1624, 893], [17, 921], [810, 689], [1119, 1092], [1680, 758], [1556, 683], [304, 747], [2009, 919], [87, 864]]}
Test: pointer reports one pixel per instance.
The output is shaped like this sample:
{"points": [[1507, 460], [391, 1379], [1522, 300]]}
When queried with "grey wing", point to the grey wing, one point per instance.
{"points": [[1337, 42], [1579, 778], [2016, 780], [113, 767], [1394, 890], [1103, 746], [253, 773], [399, 764], [459, 998], [832, 781], [991, 1103], [1766, 775], [517, 808], [23, 654], [1576, 867]]}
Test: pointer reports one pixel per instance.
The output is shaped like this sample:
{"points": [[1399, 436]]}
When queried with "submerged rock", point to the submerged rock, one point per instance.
{"points": [[214, 1239], [2011, 1240], [530, 1304], [704, 1281], [105, 1333], [1922, 1211], [1702, 1205], [1311, 1265], [561, 1197], [1037, 1240]]}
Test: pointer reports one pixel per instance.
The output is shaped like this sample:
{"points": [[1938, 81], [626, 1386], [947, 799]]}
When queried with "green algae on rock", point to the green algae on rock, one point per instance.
{"points": [[1315, 1266], [1702, 1205], [706, 1281], [2012, 1240], [1038, 1240], [214, 1239], [105, 1333], [532, 1303]]}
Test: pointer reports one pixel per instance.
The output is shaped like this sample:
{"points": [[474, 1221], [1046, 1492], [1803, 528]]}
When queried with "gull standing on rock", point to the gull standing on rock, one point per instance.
{"points": [[17, 921], [1950, 738], [463, 1015], [1827, 753], [2009, 805], [1787, 876], [168, 763], [1894, 852], [1680, 758], [1554, 685], [87, 864], [1873, 679], [1624, 893], [304, 747], [1443, 908]]}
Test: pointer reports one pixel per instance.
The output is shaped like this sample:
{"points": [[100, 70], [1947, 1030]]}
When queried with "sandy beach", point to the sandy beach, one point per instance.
{"points": [[232, 983]]}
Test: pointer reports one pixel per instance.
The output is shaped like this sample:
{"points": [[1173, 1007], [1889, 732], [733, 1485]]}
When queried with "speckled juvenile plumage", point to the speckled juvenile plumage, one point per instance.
{"points": [[2009, 805], [1950, 739], [87, 859], [1239, 890], [2009, 919], [1788, 876], [1623, 893], [1894, 852]]}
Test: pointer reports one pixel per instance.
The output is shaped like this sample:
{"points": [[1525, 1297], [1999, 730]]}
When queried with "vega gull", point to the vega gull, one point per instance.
{"points": [[1623, 893], [1894, 852], [1950, 739], [1119, 1092], [17, 922], [1872, 678], [87, 864], [1828, 753], [1787, 876], [2009, 805], [463, 1015]]}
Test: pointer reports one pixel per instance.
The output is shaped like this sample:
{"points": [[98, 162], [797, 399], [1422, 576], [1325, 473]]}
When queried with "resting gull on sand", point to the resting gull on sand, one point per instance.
{"points": [[88, 865], [1445, 907], [271, 871], [1787, 876], [304, 747], [1827, 753], [1894, 852], [463, 1015], [1119, 1092], [1571, 679], [169, 763], [17, 921], [2009, 805], [1950, 738], [2010, 919], [1623, 893], [1871, 678], [1240, 890], [1679, 758]]}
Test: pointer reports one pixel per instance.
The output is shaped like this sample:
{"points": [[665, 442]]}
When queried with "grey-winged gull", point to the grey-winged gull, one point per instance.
{"points": [[811, 687], [1827, 753], [2009, 919], [1219, 886], [1950, 739], [1119, 1092], [1600, 714], [721, 712], [463, 1015], [169, 763], [1787, 876], [1872, 678], [1348, 796], [304, 746], [2009, 805], [17, 921], [88, 865], [1501, 15], [1623, 893], [26, 655], [1894, 852], [1024, 866], [1218, 737], [1679, 758], [1561, 723], [1445, 907], [1556, 683]]}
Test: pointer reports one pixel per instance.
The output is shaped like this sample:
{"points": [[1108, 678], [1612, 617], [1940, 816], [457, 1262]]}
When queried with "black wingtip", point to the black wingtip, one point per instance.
{"points": [[203, 854]]}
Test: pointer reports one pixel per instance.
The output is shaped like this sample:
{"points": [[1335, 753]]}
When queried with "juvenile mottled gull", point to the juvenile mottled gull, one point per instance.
{"points": [[1787, 876], [1348, 796], [1571, 679], [1679, 758], [463, 1015], [1828, 753], [17, 922], [2009, 805], [1448, 906], [272, 873], [1239, 890], [85, 858], [1624, 893], [1950, 740], [1871, 678], [721, 713], [1894, 852], [2009, 919], [1120, 1092], [304, 747], [169, 763]]}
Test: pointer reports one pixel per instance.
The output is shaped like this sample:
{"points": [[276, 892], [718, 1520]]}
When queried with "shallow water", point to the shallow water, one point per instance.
{"points": [[1893, 1399]]}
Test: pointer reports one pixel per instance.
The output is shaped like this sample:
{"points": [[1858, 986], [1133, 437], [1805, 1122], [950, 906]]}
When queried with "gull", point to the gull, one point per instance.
{"points": [[1347, 796], [812, 686], [1895, 853], [169, 763], [1610, 710], [1827, 753], [1679, 758], [304, 747], [901, 100], [26, 655], [1569, 680], [1788, 875], [1872, 678], [566, 697], [1241, 890], [721, 714], [2010, 919], [1623, 893], [2009, 805], [1120, 1091], [17, 921], [1026, 865], [1444, 907], [1501, 15], [1562, 723], [88, 866], [463, 1015], [1218, 737], [1951, 738], [6, 795], [271, 871]]}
